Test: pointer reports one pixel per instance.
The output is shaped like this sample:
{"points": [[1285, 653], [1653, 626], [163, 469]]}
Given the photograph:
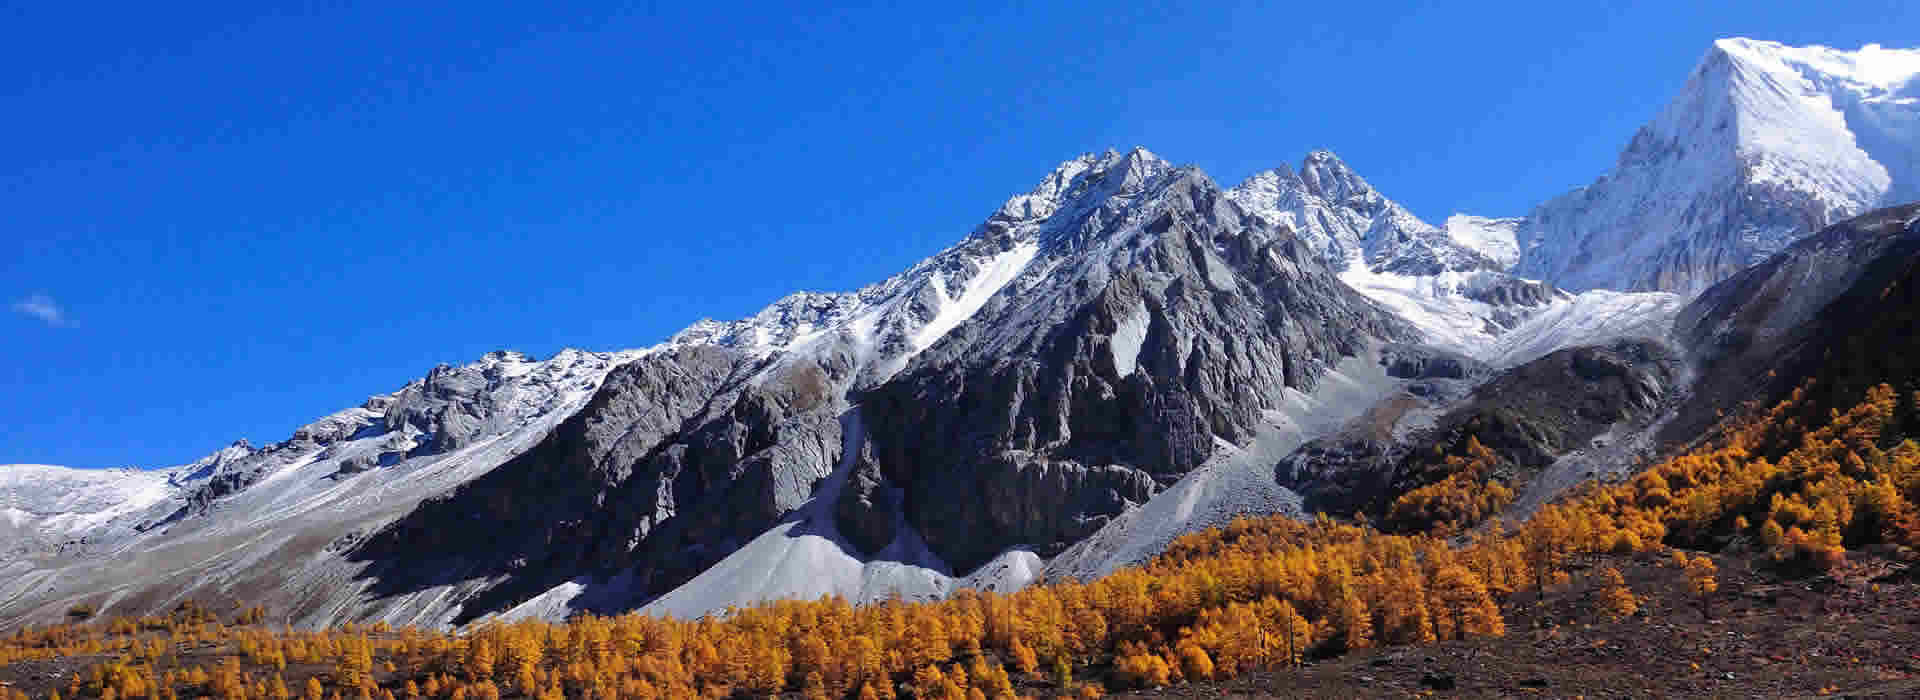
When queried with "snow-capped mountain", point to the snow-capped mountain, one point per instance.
{"points": [[1013, 421], [1121, 354], [1123, 324], [266, 524], [1347, 221], [1764, 144], [1451, 282]]}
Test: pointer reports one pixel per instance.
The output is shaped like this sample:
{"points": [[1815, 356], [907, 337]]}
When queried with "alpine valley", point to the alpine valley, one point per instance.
{"points": [[1126, 353]]}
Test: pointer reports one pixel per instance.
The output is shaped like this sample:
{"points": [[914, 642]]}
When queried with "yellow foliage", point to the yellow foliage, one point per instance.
{"points": [[1258, 592], [1616, 600]]}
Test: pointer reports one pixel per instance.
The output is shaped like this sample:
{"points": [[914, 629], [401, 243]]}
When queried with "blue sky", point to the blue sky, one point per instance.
{"points": [[223, 220]]}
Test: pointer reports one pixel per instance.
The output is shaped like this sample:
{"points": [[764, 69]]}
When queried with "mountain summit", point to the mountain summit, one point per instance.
{"points": [[1765, 143]]}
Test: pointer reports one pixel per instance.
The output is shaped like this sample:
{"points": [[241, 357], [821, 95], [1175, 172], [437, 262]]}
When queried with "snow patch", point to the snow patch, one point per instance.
{"points": [[1494, 238], [1127, 340], [1435, 304], [1588, 319], [987, 280], [1012, 570]]}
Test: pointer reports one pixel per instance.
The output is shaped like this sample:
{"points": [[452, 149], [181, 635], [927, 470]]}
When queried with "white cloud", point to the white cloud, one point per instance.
{"points": [[43, 307]]}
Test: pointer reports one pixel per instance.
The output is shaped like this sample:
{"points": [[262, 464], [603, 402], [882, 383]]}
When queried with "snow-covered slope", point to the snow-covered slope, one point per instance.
{"points": [[1451, 282], [42, 506], [265, 525], [1498, 239], [1764, 144], [1591, 318]]}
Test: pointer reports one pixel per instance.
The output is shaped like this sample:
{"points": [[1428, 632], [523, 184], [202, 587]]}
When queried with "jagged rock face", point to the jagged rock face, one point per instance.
{"points": [[870, 509], [452, 404], [1421, 362], [1171, 318], [1512, 292], [1764, 144], [676, 460], [1529, 416]]}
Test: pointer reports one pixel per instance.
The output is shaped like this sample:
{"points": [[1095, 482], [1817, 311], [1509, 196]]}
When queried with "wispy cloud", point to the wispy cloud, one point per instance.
{"points": [[43, 307]]}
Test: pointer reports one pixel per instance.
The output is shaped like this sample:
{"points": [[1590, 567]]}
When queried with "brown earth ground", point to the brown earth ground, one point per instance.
{"points": [[1853, 633]]}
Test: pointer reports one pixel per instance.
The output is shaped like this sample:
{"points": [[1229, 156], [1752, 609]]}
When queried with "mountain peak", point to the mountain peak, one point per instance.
{"points": [[1071, 178], [1328, 176], [1765, 143], [1873, 66]]}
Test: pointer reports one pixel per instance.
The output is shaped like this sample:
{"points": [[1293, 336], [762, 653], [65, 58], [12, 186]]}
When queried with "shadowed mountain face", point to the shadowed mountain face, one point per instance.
{"points": [[677, 422], [1839, 305]]}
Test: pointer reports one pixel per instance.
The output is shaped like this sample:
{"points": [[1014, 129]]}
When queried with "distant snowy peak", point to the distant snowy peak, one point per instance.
{"points": [[1765, 143], [1452, 283], [1343, 218]]}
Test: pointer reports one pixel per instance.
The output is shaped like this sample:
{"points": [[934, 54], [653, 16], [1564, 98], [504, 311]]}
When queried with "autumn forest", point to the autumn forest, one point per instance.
{"points": [[1799, 483]]}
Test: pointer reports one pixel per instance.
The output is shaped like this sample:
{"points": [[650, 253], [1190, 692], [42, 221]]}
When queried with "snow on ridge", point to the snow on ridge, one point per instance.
{"points": [[1871, 66], [1061, 185], [887, 323], [993, 274], [72, 500], [1494, 238], [62, 501], [1588, 318]]}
